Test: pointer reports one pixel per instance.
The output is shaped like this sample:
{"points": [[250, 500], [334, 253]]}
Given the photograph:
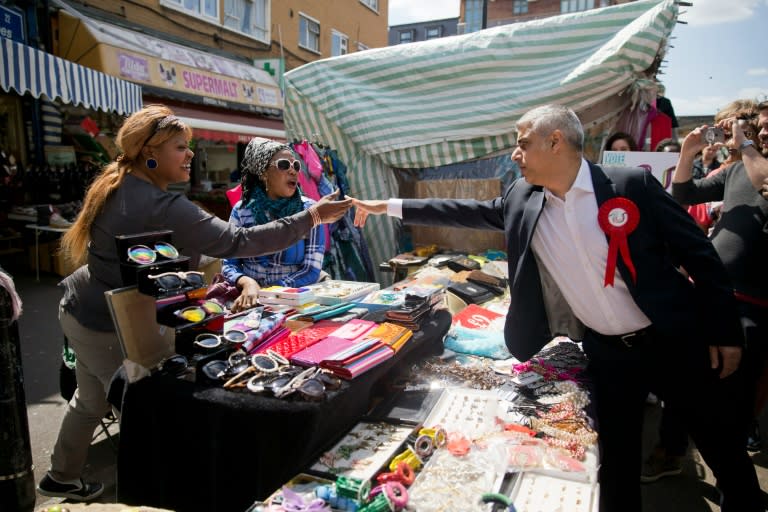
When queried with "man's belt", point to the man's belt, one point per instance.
{"points": [[629, 340]]}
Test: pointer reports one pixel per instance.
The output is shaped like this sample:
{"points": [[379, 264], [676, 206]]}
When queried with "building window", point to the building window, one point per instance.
{"points": [[361, 47], [339, 44], [309, 33], [473, 16], [208, 8], [371, 4], [433, 32], [247, 17], [520, 7], [406, 36], [576, 5]]}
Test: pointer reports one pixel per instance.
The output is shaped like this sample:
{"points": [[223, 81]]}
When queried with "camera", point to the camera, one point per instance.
{"points": [[713, 135]]}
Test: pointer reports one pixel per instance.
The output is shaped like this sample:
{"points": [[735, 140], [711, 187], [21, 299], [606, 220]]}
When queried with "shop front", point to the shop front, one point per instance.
{"points": [[225, 101], [56, 118]]}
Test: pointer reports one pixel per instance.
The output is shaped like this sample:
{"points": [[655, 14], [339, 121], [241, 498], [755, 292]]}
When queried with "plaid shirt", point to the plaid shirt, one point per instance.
{"points": [[295, 266]]}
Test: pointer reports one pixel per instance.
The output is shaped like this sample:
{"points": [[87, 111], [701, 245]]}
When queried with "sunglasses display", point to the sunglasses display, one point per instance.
{"points": [[210, 340], [283, 164], [169, 281], [144, 255]]}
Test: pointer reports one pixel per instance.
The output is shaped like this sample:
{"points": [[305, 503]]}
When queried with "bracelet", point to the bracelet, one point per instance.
{"points": [[316, 219]]}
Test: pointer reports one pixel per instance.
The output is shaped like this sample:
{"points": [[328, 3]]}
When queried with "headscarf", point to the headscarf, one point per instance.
{"points": [[254, 167]]}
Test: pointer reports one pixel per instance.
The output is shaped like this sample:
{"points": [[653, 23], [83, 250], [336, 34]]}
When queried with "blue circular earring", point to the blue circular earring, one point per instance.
{"points": [[151, 163]]}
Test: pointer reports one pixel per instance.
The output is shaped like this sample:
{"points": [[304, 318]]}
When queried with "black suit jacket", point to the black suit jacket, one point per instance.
{"points": [[665, 237]]}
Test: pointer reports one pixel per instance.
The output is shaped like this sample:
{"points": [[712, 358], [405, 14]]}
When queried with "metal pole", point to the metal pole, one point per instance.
{"points": [[17, 479]]}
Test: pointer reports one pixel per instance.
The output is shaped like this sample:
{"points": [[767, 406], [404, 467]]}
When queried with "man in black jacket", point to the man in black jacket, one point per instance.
{"points": [[592, 253]]}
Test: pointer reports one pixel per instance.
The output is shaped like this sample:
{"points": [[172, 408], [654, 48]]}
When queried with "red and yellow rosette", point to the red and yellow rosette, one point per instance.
{"points": [[618, 217]]}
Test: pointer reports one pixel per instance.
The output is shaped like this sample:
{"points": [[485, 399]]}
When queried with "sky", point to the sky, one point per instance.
{"points": [[720, 55]]}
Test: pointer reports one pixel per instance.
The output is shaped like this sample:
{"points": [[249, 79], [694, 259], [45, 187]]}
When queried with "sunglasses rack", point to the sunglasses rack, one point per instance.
{"points": [[149, 253]]}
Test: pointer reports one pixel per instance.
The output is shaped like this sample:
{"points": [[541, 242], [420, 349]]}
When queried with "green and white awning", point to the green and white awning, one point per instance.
{"points": [[457, 98]]}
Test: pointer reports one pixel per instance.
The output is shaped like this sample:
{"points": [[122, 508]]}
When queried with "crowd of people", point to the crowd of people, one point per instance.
{"points": [[661, 303]]}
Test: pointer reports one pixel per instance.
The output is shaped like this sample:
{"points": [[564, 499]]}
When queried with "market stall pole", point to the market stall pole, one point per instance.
{"points": [[17, 485]]}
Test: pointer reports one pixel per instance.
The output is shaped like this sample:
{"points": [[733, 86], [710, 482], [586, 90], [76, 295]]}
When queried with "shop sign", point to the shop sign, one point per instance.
{"points": [[213, 87], [12, 24], [659, 163], [133, 67]]}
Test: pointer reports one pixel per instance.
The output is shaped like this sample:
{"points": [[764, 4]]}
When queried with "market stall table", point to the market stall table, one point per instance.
{"points": [[186, 446], [38, 229]]}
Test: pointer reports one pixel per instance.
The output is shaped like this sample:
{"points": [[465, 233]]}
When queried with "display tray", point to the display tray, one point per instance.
{"points": [[407, 406], [334, 291], [363, 451], [471, 412], [535, 492], [285, 295]]}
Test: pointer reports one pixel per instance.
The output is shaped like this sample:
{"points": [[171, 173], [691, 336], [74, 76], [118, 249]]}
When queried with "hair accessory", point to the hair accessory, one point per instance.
{"points": [[151, 163]]}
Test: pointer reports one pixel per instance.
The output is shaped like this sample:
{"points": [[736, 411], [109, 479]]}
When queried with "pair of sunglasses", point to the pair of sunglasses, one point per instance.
{"points": [[283, 164], [241, 365], [210, 341], [170, 281], [144, 255], [199, 313], [174, 365], [311, 384]]}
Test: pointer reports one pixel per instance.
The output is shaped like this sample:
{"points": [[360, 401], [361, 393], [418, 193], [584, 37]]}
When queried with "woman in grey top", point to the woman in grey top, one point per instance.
{"points": [[131, 196]]}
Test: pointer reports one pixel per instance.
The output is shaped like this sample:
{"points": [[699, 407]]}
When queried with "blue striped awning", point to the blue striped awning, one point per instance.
{"points": [[28, 69]]}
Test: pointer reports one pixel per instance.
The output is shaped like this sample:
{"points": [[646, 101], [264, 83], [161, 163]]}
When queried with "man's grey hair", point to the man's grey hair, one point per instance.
{"points": [[545, 119]]}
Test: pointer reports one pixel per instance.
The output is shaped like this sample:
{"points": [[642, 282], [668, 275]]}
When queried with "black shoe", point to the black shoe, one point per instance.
{"points": [[84, 491], [754, 440]]}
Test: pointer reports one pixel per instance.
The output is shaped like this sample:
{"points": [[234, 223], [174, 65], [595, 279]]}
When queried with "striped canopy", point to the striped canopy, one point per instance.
{"points": [[28, 69], [457, 98]]}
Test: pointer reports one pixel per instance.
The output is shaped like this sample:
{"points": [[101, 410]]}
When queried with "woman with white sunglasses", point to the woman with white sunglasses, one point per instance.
{"points": [[270, 191]]}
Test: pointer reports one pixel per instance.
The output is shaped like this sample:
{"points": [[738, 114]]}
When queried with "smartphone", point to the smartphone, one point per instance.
{"points": [[713, 135]]}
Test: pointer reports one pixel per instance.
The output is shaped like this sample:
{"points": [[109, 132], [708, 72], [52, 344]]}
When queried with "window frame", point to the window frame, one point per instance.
{"points": [[319, 33], [439, 29], [335, 33], [405, 31], [368, 3], [267, 29], [588, 4], [178, 5], [475, 6], [519, 7]]}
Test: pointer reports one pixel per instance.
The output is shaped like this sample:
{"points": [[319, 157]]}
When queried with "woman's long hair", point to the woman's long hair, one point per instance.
{"points": [[141, 128]]}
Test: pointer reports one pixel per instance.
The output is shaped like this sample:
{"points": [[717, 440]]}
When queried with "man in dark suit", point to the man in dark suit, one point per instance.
{"points": [[592, 253]]}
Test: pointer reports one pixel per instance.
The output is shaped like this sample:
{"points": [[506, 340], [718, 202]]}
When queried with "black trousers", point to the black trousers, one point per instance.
{"points": [[715, 413]]}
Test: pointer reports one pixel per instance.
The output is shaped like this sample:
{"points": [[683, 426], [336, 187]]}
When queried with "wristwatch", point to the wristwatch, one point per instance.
{"points": [[744, 145]]}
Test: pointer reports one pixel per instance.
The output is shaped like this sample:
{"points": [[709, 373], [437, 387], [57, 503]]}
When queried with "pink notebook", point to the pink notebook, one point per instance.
{"points": [[323, 349]]}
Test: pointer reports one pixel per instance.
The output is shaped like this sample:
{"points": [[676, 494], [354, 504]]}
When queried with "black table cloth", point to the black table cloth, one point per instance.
{"points": [[185, 446]]}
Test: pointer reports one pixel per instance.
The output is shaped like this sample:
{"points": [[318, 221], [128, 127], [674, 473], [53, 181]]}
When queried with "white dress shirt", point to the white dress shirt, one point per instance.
{"points": [[569, 242]]}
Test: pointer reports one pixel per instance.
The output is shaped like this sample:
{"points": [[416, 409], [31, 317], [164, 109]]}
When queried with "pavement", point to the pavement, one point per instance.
{"points": [[41, 344]]}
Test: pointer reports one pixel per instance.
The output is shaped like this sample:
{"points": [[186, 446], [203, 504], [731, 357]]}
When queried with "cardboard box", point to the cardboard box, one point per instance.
{"points": [[45, 256], [60, 265]]}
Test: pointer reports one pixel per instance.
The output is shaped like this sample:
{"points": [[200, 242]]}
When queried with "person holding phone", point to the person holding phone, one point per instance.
{"points": [[131, 196], [739, 235], [271, 191]]}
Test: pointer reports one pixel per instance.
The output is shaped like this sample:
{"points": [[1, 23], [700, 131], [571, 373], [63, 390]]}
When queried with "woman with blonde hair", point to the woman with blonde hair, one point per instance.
{"points": [[131, 196]]}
